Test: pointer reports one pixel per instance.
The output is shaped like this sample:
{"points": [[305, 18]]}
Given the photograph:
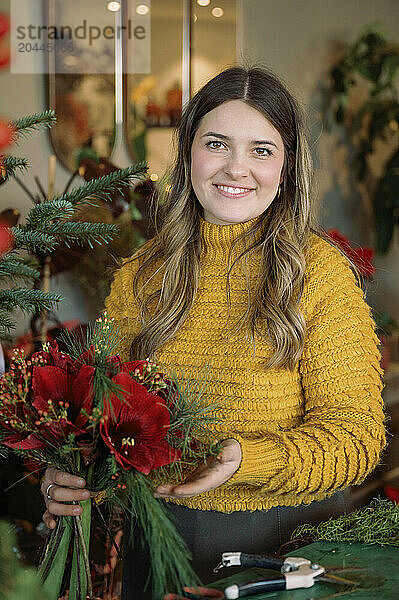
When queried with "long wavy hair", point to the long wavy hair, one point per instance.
{"points": [[280, 235]]}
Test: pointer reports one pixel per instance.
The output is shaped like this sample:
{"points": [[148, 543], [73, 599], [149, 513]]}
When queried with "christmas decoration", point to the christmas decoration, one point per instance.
{"points": [[48, 224], [113, 424], [4, 48]]}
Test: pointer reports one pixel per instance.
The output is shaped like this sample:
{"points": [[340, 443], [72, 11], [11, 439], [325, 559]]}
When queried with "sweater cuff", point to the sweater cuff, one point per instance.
{"points": [[261, 459]]}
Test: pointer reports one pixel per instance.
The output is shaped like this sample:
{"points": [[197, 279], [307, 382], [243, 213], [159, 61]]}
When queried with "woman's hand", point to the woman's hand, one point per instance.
{"points": [[208, 476], [65, 488]]}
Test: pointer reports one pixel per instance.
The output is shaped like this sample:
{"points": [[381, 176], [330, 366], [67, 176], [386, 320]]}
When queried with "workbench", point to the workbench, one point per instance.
{"points": [[379, 580]]}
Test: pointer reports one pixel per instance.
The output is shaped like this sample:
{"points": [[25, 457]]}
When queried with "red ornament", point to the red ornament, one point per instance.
{"points": [[4, 24], [6, 134], [5, 57], [135, 427], [361, 256], [4, 29], [6, 238]]}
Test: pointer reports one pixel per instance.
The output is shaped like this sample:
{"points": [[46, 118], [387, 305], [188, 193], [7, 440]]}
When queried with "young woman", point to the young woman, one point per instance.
{"points": [[241, 277]]}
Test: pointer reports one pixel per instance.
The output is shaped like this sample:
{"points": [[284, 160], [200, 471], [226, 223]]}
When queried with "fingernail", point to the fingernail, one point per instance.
{"points": [[77, 510], [81, 482], [86, 494], [157, 495]]}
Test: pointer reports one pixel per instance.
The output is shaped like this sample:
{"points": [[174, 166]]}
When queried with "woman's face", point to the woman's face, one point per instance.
{"points": [[236, 161]]}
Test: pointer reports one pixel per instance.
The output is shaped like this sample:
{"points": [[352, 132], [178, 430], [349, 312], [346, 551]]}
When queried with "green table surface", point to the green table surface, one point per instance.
{"points": [[378, 581]]}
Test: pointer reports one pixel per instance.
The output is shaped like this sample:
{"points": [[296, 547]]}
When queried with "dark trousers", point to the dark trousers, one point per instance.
{"points": [[210, 533]]}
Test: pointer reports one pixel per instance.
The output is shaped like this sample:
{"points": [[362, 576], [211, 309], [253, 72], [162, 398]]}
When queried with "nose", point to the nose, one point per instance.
{"points": [[236, 166]]}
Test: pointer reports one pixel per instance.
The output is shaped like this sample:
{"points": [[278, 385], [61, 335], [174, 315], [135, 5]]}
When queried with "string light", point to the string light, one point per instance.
{"points": [[217, 11], [114, 6], [142, 9]]}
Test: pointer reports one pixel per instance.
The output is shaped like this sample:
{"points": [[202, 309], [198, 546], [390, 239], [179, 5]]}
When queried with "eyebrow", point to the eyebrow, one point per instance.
{"points": [[226, 137]]}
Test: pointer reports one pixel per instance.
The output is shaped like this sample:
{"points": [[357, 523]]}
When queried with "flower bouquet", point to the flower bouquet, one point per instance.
{"points": [[122, 426]]}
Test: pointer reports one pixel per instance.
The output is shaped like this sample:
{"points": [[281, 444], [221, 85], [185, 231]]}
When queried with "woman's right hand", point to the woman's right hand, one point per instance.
{"points": [[65, 488]]}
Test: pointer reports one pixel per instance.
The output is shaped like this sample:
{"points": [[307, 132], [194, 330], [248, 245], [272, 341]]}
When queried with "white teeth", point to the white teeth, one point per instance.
{"points": [[231, 190]]}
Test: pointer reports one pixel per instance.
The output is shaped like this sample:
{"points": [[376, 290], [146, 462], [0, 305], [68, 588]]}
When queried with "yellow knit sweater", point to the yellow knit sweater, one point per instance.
{"points": [[304, 434]]}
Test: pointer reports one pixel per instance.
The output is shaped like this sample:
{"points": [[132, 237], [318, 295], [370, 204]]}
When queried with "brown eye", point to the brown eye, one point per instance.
{"points": [[213, 142], [266, 152]]}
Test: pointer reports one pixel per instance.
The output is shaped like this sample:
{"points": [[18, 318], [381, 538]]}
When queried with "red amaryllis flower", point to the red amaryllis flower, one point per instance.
{"points": [[135, 428], [62, 400], [58, 359]]}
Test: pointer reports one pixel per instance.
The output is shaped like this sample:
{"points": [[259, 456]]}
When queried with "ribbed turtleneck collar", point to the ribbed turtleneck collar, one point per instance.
{"points": [[218, 239]]}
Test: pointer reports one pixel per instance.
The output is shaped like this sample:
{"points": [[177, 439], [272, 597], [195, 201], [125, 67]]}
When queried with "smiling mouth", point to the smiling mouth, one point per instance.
{"points": [[227, 190]]}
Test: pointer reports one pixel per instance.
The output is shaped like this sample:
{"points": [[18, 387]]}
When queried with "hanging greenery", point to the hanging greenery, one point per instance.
{"points": [[363, 98]]}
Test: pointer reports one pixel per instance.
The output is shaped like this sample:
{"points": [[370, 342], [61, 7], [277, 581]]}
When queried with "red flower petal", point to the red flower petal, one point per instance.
{"points": [[18, 442], [50, 383]]}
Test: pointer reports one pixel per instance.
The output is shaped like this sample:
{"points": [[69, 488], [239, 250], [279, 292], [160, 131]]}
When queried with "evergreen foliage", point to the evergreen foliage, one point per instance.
{"points": [[48, 224], [16, 582]]}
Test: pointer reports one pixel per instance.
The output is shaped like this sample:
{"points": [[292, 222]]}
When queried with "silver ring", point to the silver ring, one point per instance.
{"points": [[50, 485]]}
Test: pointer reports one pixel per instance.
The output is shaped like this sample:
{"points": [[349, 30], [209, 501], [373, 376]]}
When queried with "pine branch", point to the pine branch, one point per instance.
{"points": [[81, 232], [6, 325], [33, 241], [26, 125], [27, 300], [11, 164], [12, 266], [170, 566], [102, 187], [46, 211]]}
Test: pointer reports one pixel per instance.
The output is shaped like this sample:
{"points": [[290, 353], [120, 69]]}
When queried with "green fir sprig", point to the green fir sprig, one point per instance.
{"points": [[11, 164], [28, 300], [30, 123], [161, 539], [49, 224], [13, 266], [376, 523], [103, 187]]}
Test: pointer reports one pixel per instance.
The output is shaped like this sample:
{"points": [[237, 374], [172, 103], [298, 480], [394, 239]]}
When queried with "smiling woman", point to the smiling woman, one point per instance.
{"points": [[298, 371], [233, 165]]}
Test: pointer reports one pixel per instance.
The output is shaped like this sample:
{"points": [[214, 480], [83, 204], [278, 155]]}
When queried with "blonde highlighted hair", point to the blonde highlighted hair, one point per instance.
{"points": [[282, 232]]}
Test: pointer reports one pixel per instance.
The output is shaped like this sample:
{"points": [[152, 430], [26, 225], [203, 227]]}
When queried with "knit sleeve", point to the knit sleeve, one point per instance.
{"points": [[342, 432], [120, 306]]}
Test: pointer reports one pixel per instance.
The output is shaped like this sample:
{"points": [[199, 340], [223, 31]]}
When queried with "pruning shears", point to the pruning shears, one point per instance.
{"points": [[293, 572]]}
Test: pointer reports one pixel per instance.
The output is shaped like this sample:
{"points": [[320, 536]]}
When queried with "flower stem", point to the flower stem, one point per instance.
{"points": [[78, 521]]}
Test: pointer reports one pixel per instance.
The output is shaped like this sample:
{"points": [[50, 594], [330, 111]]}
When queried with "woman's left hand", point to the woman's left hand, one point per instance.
{"points": [[208, 476]]}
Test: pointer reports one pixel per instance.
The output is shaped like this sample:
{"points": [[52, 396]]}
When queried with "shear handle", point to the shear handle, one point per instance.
{"points": [[251, 588], [262, 560]]}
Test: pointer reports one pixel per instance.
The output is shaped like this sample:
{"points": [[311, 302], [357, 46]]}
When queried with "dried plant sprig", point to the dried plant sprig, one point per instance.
{"points": [[376, 523]]}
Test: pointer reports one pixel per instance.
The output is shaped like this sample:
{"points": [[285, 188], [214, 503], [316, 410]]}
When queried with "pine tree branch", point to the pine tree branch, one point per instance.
{"points": [[28, 300], [6, 325], [103, 187], [79, 231], [26, 125], [12, 267], [33, 241], [46, 211], [11, 164]]}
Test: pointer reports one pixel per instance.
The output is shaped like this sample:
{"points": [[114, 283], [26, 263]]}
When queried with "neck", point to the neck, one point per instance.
{"points": [[218, 239]]}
